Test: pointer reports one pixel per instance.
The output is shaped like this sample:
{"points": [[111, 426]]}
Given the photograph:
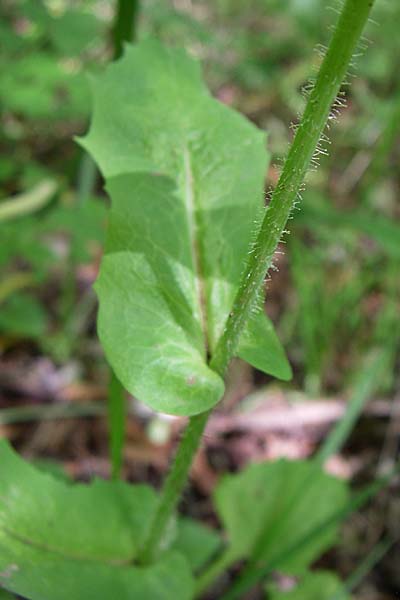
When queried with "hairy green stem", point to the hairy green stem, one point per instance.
{"points": [[327, 86], [174, 485], [332, 72]]}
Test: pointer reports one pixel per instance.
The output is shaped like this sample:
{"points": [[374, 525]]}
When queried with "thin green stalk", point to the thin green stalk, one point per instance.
{"points": [[390, 132], [87, 177], [50, 412], [327, 86], [117, 424], [67, 299], [125, 24], [173, 486], [333, 70], [123, 31], [367, 381], [372, 559]]}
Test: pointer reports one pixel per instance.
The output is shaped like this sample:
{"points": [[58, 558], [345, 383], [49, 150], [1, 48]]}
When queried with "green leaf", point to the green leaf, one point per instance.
{"points": [[60, 541], [260, 346], [186, 177], [318, 585], [146, 322], [271, 506], [197, 542]]}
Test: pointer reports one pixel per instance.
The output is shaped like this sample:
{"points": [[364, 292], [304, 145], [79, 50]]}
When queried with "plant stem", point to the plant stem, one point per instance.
{"points": [[123, 31], [51, 412], [372, 559], [174, 484], [116, 420], [332, 72], [87, 176], [125, 24]]}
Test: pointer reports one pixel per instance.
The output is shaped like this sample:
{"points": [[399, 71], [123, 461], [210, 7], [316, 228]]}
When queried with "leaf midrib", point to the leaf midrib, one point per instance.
{"points": [[194, 226], [26, 541]]}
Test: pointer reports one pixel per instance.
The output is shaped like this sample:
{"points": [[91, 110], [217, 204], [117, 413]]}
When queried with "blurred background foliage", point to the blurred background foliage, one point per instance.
{"points": [[335, 295], [257, 56]]}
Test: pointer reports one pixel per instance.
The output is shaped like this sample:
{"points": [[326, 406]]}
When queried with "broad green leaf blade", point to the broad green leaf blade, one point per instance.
{"points": [[270, 506], [186, 177], [147, 293], [108, 522], [318, 585], [60, 541], [260, 346], [32, 573], [29, 571], [151, 355]]}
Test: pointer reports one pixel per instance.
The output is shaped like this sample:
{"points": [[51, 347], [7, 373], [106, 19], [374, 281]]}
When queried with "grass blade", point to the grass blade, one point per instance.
{"points": [[366, 383]]}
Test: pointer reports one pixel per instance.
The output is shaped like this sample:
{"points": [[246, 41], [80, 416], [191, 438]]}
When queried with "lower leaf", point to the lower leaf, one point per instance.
{"points": [[261, 347], [268, 507], [69, 542], [36, 575]]}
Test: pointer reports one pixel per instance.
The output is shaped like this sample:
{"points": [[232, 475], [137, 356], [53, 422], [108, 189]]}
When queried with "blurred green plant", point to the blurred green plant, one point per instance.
{"points": [[31, 253], [118, 539], [48, 51]]}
